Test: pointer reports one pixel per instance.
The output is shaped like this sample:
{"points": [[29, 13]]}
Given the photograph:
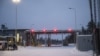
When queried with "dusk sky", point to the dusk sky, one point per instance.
{"points": [[49, 14]]}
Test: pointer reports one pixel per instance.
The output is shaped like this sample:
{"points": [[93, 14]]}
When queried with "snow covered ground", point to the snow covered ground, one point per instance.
{"points": [[46, 51]]}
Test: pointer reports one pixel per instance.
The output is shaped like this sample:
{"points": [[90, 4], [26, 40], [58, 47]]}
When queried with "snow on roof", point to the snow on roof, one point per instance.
{"points": [[84, 35]]}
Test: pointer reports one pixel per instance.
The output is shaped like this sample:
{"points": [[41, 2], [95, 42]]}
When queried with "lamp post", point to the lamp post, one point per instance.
{"points": [[75, 22], [16, 2], [75, 17]]}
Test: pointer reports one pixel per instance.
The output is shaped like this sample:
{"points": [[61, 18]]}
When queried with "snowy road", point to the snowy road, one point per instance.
{"points": [[46, 51]]}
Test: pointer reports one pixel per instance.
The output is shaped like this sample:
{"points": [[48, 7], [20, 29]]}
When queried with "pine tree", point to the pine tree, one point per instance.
{"points": [[83, 30], [91, 26]]}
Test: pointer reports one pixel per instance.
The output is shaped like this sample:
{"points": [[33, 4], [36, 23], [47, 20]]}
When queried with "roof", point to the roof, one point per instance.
{"points": [[50, 31], [13, 29]]}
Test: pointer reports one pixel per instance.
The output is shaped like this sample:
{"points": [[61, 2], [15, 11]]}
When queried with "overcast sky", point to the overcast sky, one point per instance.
{"points": [[49, 14]]}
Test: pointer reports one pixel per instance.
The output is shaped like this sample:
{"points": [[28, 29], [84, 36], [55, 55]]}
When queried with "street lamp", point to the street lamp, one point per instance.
{"points": [[75, 17], [75, 22], [16, 2]]}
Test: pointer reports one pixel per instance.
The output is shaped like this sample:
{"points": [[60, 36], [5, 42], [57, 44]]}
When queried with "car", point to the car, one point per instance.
{"points": [[8, 43]]}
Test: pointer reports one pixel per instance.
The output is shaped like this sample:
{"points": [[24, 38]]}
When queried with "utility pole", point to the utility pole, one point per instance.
{"points": [[95, 17]]}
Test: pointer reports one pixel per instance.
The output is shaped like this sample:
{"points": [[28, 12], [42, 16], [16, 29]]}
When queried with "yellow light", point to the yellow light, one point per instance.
{"points": [[18, 37], [16, 1]]}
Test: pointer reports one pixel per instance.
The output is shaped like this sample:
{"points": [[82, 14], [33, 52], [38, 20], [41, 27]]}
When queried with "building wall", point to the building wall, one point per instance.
{"points": [[83, 42], [11, 32], [6, 33]]}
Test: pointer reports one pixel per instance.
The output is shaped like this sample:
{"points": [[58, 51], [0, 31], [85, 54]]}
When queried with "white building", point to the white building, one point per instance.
{"points": [[84, 42]]}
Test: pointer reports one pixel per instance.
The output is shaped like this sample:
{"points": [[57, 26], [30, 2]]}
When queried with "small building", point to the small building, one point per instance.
{"points": [[11, 32], [84, 42]]}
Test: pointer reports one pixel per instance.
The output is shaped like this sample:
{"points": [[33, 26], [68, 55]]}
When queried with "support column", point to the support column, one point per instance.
{"points": [[38, 39], [45, 40], [62, 39], [49, 40]]}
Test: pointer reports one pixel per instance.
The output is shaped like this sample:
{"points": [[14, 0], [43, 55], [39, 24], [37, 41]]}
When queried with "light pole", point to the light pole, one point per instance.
{"points": [[75, 23], [16, 2], [75, 17], [62, 40]]}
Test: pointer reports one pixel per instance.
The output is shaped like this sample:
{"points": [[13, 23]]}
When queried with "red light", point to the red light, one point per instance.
{"points": [[69, 30], [44, 30], [55, 30], [32, 30]]}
